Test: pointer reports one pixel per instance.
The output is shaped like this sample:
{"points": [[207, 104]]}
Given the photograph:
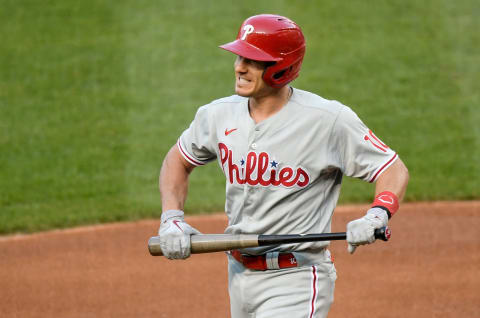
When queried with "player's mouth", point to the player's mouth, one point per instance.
{"points": [[242, 80]]}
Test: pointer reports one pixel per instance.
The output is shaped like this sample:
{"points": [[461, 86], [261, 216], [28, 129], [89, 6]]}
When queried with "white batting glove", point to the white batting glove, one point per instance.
{"points": [[362, 231], [175, 234]]}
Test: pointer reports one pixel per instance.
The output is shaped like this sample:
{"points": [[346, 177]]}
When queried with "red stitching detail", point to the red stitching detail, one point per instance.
{"points": [[312, 309]]}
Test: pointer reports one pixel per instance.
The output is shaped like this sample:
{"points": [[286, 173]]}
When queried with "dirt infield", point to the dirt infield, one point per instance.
{"points": [[430, 268]]}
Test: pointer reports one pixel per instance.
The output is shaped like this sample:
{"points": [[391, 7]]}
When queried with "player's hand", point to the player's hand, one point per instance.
{"points": [[175, 234], [361, 231]]}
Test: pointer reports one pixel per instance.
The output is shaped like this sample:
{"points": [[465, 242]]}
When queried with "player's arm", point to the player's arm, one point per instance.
{"points": [[174, 232], [173, 181], [394, 179], [390, 189]]}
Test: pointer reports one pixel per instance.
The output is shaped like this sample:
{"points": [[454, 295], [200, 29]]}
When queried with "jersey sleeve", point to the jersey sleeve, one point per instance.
{"points": [[361, 154], [196, 144]]}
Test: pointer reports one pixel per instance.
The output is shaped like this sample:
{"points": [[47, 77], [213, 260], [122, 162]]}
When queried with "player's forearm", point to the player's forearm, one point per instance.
{"points": [[173, 181], [394, 179]]}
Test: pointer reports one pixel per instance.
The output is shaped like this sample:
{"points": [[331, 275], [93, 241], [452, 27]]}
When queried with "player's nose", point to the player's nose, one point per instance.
{"points": [[240, 65]]}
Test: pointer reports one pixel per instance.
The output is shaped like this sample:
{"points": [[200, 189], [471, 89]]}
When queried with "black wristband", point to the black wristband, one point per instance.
{"points": [[384, 209]]}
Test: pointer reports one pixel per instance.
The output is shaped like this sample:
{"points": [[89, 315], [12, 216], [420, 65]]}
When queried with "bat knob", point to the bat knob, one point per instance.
{"points": [[383, 233]]}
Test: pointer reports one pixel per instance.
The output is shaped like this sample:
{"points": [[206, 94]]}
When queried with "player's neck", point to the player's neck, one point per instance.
{"points": [[262, 107]]}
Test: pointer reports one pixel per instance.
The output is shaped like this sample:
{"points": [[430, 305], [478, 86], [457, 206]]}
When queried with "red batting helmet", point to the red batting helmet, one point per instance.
{"points": [[271, 38]]}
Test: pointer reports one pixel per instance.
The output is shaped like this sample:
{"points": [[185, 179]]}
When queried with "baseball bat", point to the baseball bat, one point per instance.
{"points": [[209, 243]]}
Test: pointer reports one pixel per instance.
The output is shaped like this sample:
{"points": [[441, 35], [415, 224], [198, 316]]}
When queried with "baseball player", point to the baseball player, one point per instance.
{"points": [[284, 152]]}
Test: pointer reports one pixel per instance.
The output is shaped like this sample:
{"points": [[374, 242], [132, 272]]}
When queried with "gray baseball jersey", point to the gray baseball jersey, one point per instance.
{"points": [[283, 175]]}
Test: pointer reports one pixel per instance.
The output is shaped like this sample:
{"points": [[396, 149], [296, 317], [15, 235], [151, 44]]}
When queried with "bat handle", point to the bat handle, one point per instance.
{"points": [[383, 233]]}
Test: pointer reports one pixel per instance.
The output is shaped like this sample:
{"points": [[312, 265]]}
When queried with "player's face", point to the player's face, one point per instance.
{"points": [[248, 78]]}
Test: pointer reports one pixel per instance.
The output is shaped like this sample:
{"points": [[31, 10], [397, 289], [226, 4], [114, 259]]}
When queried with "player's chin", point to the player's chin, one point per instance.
{"points": [[243, 91]]}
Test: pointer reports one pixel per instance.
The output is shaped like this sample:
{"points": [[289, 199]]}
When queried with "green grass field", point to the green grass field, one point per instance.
{"points": [[94, 93]]}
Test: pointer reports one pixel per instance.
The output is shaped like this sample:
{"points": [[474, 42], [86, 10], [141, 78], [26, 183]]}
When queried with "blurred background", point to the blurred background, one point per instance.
{"points": [[93, 93]]}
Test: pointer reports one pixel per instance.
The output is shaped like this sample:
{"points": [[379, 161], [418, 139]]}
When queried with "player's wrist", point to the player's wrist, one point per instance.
{"points": [[170, 214], [388, 202]]}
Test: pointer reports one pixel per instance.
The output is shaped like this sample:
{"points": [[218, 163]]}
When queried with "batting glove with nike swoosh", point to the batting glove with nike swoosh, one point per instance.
{"points": [[175, 234], [362, 231]]}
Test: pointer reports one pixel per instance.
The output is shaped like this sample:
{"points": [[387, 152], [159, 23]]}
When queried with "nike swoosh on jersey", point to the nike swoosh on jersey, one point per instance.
{"points": [[228, 132]]}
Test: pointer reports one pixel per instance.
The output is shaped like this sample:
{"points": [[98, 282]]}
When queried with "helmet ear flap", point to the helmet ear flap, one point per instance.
{"points": [[267, 71], [276, 76]]}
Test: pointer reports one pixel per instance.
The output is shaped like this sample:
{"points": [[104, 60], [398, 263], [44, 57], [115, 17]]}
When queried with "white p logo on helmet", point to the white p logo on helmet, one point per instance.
{"points": [[248, 29]]}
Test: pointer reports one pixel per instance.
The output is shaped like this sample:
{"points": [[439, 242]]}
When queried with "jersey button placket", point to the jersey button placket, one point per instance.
{"points": [[255, 133], [249, 190]]}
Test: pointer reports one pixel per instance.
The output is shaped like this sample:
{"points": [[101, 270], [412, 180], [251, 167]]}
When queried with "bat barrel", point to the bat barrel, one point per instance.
{"points": [[209, 243], [154, 246]]}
